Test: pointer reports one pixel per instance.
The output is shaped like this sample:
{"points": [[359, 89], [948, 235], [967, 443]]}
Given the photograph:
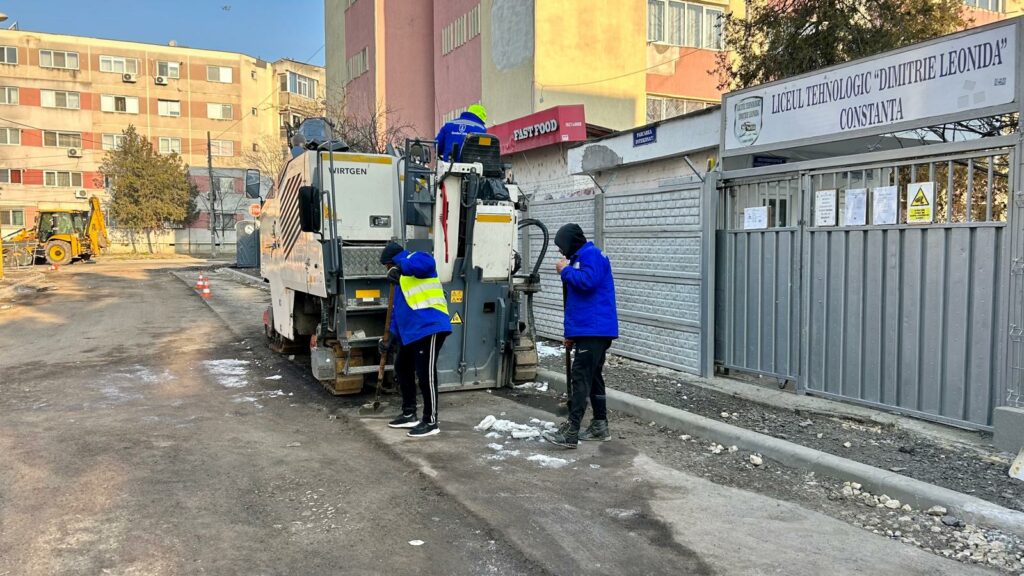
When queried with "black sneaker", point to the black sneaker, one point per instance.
{"points": [[423, 430], [565, 437], [404, 421], [596, 432]]}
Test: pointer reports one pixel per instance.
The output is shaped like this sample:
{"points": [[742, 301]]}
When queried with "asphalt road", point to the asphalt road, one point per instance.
{"points": [[143, 431]]}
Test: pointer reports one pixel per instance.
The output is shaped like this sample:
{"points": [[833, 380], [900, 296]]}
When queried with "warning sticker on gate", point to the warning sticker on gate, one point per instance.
{"points": [[456, 296], [456, 319], [920, 202]]}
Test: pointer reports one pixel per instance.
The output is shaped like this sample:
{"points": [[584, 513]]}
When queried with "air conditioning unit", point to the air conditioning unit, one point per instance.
{"points": [[74, 153], [128, 77], [161, 80], [81, 194]]}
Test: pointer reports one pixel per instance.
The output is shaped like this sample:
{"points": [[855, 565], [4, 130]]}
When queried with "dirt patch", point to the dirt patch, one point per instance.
{"points": [[967, 469]]}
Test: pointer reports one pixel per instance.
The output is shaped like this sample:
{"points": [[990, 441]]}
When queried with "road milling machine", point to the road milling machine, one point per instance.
{"points": [[332, 212]]}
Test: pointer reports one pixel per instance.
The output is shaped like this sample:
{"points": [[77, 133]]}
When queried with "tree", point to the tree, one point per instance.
{"points": [[269, 157], [148, 192], [781, 38], [365, 128]]}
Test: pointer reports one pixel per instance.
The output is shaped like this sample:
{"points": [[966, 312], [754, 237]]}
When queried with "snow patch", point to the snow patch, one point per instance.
{"points": [[496, 446], [229, 373], [538, 386], [546, 461], [276, 377], [545, 350]]}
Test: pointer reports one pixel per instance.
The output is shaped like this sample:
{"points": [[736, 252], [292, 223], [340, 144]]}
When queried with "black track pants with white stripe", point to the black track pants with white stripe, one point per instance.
{"points": [[417, 361]]}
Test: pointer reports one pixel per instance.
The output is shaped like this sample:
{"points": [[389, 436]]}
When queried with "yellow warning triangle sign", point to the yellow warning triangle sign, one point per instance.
{"points": [[456, 319], [920, 199]]}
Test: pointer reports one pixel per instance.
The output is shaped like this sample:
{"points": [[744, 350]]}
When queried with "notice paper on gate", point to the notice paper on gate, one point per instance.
{"points": [[920, 203]]}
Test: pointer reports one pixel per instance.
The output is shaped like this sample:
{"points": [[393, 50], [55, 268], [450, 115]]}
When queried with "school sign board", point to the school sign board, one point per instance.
{"points": [[950, 76]]}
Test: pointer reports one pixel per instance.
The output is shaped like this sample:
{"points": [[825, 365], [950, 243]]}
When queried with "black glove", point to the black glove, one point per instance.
{"points": [[385, 347], [394, 275]]}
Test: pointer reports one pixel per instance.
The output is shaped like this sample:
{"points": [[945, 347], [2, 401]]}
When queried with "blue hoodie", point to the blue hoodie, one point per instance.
{"points": [[411, 325], [454, 133], [590, 295]]}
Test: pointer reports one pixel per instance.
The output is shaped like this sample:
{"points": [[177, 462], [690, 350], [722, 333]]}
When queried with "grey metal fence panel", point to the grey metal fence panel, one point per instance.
{"points": [[653, 239], [758, 281], [913, 317]]}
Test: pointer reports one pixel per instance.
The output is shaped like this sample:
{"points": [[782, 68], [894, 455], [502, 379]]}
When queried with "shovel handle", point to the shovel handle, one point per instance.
{"points": [[387, 335]]}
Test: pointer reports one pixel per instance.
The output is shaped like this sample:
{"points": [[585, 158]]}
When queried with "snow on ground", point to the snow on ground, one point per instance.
{"points": [[229, 373], [545, 350], [538, 386], [514, 432]]}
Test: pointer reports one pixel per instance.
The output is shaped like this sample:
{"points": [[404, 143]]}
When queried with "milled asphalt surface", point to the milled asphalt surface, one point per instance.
{"points": [[142, 434]]}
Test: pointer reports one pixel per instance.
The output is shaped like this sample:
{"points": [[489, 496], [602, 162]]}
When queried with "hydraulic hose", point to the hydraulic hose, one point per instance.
{"points": [[543, 247]]}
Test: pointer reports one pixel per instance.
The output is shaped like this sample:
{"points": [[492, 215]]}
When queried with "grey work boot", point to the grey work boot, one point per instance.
{"points": [[567, 436], [596, 432]]}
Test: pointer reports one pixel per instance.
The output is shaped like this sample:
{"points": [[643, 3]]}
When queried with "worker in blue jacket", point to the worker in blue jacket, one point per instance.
{"points": [[419, 326], [454, 132], [591, 323]]}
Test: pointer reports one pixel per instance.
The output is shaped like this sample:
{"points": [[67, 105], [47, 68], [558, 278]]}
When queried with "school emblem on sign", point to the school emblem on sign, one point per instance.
{"points": [[748, 115]]}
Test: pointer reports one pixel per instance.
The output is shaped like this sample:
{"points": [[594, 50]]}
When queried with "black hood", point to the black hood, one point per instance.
{"points": [[390, 251], [570, 239]]}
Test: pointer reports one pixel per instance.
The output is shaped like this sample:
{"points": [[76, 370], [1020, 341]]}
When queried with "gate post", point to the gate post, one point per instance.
{"points": [[709, 222]]}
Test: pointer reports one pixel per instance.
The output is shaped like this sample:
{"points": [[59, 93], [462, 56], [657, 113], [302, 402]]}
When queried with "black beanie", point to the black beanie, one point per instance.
{"points": [[570, 239], [389, 252]]}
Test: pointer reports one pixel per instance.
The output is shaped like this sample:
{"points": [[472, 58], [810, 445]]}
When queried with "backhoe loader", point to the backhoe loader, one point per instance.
{"points": [[60, 235]]}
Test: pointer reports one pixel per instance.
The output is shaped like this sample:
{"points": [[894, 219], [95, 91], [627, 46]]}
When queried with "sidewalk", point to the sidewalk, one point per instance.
{"points": [[633, 510]]}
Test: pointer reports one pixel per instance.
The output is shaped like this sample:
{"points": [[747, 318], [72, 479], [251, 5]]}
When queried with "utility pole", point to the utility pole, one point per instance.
{"points": [[212, 197]]}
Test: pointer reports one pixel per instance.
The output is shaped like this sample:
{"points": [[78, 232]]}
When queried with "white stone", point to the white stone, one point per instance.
{"points": [[937, 511], [685, 437], [847, 445], [756, 460], [907, 508], [892, 504], [855, 485], [847, 491]]}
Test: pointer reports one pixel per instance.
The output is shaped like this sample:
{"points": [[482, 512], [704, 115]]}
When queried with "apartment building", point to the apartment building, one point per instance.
{"points": [[65, 100], [627, 61]]}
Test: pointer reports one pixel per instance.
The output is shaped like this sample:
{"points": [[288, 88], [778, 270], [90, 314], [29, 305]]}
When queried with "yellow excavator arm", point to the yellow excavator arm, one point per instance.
{"points": [[97, 230]]}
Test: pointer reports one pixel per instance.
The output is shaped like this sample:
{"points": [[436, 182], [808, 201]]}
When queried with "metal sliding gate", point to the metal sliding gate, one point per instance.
{"points": [[904, 316]]}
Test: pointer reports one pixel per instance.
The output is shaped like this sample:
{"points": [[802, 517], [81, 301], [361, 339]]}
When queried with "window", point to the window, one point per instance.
{"points": [[222, 148], [59, 99], [169, 108], [8, 95], [113, 141], [60, 179], [119, 64], [225, 185], [655, 21], [10, 176], [8, 55], [10, 136], [12, 218], [120, 104], [990, 5], [168, 69], [62, 139], [660, 108], [461, 30], [170, 145], [358, 65], [58, 59], [301, 85], [218, 74], [219, 111], [685, 24]]}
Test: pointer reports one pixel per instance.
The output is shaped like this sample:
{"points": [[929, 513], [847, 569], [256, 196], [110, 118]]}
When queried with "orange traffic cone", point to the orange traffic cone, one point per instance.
{"points": [[205, 292], [199, 283], [54, 267]]}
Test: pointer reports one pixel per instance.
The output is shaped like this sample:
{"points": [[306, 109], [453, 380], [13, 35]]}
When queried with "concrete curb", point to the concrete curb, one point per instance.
{"points": [[8, 291], [918, 494], [251, 280]]}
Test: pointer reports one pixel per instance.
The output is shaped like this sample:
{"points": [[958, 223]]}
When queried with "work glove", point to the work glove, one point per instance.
{"points": [[394, 275], [385, 347]]}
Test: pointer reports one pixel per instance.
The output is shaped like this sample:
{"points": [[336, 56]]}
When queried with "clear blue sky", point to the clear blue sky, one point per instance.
{"points": [[267, 29]]}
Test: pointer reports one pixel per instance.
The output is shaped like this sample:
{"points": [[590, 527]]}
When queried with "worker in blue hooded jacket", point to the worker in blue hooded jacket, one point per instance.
{"points": [[453, 134], [419, 326], [591, 323]]}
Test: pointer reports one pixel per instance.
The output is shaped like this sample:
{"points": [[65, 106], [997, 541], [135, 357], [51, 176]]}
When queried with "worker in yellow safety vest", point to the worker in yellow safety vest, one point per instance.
{"points": [[419, 326]]}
